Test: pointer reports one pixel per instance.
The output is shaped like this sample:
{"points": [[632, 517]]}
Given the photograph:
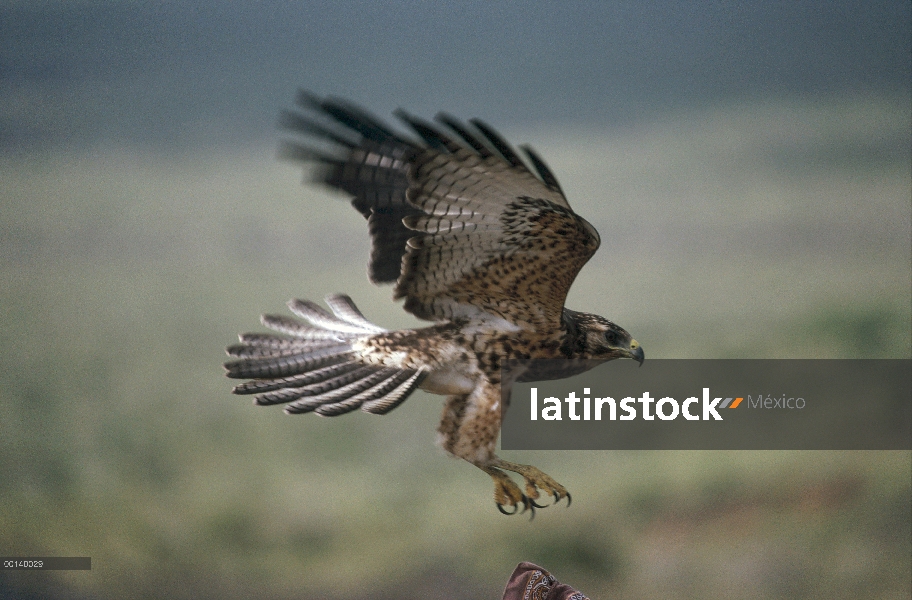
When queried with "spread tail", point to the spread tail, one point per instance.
{"points": [[312, 367]]}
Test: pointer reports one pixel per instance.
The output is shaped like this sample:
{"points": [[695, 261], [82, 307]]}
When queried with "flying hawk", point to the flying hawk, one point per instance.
{"points": [[478, 240]]}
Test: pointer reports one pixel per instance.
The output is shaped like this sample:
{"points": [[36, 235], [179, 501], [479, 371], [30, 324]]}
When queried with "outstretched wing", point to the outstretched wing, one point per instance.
{"points": [[458, 219], [359, 155]]}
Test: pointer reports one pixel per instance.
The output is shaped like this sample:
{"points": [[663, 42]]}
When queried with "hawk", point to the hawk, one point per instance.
{"points": [[478, 240]]}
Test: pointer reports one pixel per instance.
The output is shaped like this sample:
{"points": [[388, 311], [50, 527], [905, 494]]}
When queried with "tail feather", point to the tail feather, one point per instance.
{"points": [[313, 367], [267, 340], [282, 365], [393, 388], [340, 393], [297, 329], [318, 389], [407, 382], [258, 386], [320, 318], [292, 347], [344, 308], [334, 406]]}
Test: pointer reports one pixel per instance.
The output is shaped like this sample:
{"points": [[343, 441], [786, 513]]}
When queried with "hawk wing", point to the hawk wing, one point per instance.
{"points": [[457, 219]]}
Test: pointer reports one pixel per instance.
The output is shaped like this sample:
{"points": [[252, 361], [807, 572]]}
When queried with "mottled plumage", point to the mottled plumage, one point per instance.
{"points": [[477, 239]]}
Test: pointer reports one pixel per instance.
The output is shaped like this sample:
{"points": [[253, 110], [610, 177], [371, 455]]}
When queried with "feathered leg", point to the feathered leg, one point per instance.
{"points": [[469, 429]]}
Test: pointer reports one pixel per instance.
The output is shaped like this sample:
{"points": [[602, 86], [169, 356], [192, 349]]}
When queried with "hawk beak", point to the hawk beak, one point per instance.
{"points": [[636, 352]]}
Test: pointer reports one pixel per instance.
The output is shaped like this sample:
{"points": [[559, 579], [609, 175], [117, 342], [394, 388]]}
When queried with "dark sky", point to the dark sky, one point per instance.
{"points": [[202, 73]]}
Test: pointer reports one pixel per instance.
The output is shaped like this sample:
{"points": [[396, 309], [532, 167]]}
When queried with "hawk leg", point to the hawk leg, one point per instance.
{"points": [[469, 430]]}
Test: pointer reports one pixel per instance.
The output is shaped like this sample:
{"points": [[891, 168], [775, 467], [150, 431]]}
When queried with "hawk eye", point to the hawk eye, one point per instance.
{"points": [[611, 337]]}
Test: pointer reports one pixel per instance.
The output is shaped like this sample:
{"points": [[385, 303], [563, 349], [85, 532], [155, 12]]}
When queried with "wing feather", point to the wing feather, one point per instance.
{"points": [[462, 131], [459, 220], [499, 144], [430, 134], [364, 159], [496, 239], [542, 169]]}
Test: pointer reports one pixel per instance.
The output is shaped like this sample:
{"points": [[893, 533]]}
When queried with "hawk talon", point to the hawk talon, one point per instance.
{"points": [[569, 499], [500, 507], [532, 502], [527, 505]]}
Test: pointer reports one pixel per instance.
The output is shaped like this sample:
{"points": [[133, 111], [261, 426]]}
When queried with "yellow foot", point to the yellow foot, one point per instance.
{"points": [[537, 482], [509, 498], [507, 494]]}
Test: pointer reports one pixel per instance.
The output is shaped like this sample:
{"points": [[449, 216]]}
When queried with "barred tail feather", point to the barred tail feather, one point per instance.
{"points": [[336, 384], [344, 308], [295, 328], [312, 367], [342, 394], [322, 319], [281, 364], [380, 398], [259, 386], [279, 347], [407, 382]]}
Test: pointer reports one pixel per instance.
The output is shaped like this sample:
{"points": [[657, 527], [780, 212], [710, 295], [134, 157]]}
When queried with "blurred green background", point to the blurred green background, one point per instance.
{"points": [[753, 198]]}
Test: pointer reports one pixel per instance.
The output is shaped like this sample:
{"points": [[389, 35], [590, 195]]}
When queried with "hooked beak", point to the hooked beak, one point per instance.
{"points": [[636, 352]]}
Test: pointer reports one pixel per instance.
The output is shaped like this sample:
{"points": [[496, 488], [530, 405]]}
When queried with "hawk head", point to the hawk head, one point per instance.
{"points": [[588, 336]]}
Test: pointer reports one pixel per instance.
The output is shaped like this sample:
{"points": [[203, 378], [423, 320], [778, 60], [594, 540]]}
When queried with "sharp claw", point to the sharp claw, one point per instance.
{"points": [[532, 502], [500, 507], [557, 497], [569, 499]]}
